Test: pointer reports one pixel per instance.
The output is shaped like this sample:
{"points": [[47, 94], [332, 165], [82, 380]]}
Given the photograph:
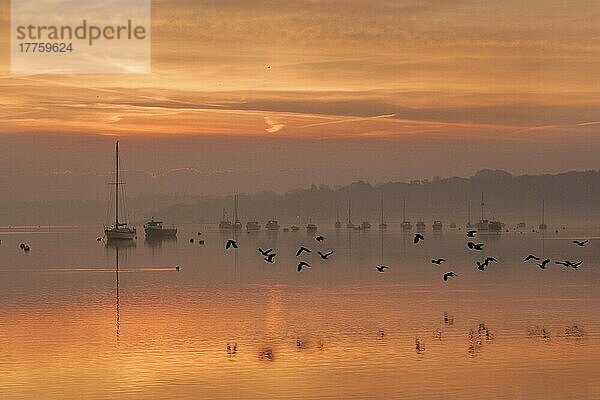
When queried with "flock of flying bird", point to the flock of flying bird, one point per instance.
{"points": [[269, 255]]}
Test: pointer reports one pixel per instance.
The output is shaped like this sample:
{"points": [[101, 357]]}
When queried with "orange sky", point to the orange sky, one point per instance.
{"points": [[419, 70]]}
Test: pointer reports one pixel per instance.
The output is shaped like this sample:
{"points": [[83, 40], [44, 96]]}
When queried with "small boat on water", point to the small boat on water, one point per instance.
{"points": [[225, 224], [406, 225], [272, 225], [543, 227], [382, 224], [420, 226], [437, 226], [521, 225], [365, 225], [252, 226], [311, 227], [119, 230], [487, 226], [469, 224], [338, 224], [452, 226], [237, 225], [155, 229], [350, 225], [295, 228]]}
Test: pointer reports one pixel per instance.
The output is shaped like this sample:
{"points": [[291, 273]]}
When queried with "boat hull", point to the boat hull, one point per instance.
{"points": [[120, 234], [160, 233]]}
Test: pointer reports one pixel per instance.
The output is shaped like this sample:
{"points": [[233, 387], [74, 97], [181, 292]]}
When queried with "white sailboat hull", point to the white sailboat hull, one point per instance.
{"points": [[120, 233]]}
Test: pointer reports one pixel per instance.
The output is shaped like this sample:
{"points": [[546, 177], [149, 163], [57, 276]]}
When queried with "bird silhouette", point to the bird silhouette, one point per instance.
{"points": [[22, 245], [177, 268], [490, 259], [575, 264], [265, 252], [418, 237], [475, 246], [326, 255], [543, 264], [437, 261], [481, 265], [26, 248], [99, 239], [568, 263], [381, 268], [303, 264], [471, 233], [580, 243], [270, 258], [302, 249], [319, 238], [448, 275], [531, 257], [231, 243]]}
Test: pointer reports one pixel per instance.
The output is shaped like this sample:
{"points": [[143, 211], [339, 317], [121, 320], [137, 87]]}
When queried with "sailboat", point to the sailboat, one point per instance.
{"points": [[382, 224], [350, 225], [120, 230], [406, 225], [225, 224], [237, 225], [484, 225], [543, 226], [469, 225]]}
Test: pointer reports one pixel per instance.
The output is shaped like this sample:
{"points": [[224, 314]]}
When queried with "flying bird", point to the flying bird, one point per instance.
{"points": [[580, 243], [568, 263], [303, 264], [231, 243], [471, 233], [177, 268], [490, 259], [270, 258], [481, 265], [265, 252], [381, 268], [531, 257], [448, 275], [576, 264], [319, 238], [326, 255], [475, 246], [418, 237], [437, 261], [543, 264], [302, 249]]}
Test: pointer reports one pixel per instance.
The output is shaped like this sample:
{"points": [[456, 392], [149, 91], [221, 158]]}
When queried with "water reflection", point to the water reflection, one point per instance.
{"points": [[478, 338], [176, 332]]}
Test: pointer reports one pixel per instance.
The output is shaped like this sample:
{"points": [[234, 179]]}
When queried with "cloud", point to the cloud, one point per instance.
{"points": [[274, 125]]}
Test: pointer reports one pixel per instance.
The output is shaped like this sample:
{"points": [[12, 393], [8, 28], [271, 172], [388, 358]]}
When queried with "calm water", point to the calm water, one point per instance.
{"points": [[71, 327]]}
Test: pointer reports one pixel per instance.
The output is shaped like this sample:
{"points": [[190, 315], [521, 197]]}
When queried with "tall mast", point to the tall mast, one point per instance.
{"points": [[117, 185], [543, 212], [469, 212], [349, 209], [404, 210], [337, 212], [482, 204], [382, 209], [235, 210]]}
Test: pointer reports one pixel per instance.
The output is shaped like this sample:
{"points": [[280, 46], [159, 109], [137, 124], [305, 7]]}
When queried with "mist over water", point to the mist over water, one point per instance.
{"points": [[229, 325]]}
